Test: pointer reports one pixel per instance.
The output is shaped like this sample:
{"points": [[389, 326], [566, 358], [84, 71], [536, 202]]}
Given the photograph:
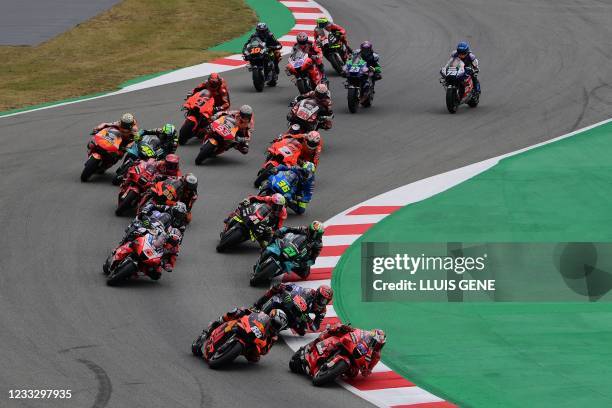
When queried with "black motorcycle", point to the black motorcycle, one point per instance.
{"points": [[250, 222], [261, 64]]}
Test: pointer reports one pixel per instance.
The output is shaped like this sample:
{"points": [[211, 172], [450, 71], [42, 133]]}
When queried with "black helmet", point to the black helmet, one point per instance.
{"points": [[366, 49], [278, 320], [262, 28], [178, 213]]}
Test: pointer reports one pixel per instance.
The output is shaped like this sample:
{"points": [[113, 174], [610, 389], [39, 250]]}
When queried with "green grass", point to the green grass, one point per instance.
{"points": [[132, 39]]}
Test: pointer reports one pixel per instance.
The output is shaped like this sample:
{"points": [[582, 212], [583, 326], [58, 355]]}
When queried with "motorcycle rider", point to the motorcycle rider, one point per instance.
{"points": [[189, 192], [127, 127], [316, 302], [305, 187], [217, 87], [167, 135], [272, 325], [245, 121], [312, 143], [472, 69], [372, 59], [323, 23], [322, 96], [375, 339], [314, 244], [313, 51], [157, 216], [168, 167], [263, 33]]}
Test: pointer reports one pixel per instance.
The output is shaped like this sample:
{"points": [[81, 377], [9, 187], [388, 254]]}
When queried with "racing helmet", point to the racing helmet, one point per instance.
{"points": [[323, 22], [324, 295], [278, 320], [178, 213], [246, 112], [127, 121], [302, 38], [295, 129], [316, 229], [169, 130], [463, 48], [262, 28], [321, 91], [278, 202], [174, 237], [313, 140], [191, 182], [366, 49], [172, 164], [378, 340], [310, 168], [214, 80]]}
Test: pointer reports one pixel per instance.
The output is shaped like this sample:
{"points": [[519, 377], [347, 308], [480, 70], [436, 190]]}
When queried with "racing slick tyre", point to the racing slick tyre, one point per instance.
{"points": [[186, 132], [474, 100], [196, 346], [91, 165], [302, 86], [353, 99], [206, 151], [452, 100], [326, 375], [265, 274], [121, 274], [230, 354], [128, 202], [336, 62], [229, 239], [258, 80], [295, 364]]}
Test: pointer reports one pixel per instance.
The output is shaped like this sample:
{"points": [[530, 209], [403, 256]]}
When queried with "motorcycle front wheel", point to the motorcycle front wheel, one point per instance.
{"points": [[258, 79], [353, 99], [186, 132], [264, 274], [230, 238], [121, 274], [206, 151], [91, 165], [230, 354], [128, 202], [336, 62], [452, 100], [326, 375]]}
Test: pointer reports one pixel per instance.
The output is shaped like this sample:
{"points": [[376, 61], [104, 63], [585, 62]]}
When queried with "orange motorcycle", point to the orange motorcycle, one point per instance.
{"points": [[198, 108], [103, 151], [220, 137]]}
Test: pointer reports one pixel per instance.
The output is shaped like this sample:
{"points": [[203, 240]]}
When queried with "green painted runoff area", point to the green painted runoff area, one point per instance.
{"points": [[502, 354], [272, 12]]}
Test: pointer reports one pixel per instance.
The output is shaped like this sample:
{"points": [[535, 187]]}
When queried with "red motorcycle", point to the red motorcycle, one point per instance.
{"points": [[137, 181], [230, 340], [331, 358], [303, 71], [198, 108], [140, 257], [285, 151], [103, 152], [220, 137], [305, 113], [164, 192]]}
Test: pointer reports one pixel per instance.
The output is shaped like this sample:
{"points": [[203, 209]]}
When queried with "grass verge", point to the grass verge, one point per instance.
{"points": [[132, 39]]}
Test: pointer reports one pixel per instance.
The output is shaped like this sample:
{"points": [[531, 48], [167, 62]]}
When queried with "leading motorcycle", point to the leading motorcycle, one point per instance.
{"points": [[261, 64], [459, 86]]}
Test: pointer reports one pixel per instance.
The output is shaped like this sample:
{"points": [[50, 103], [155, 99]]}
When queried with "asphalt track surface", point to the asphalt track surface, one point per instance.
{"points": [[30, 22], [545, 64]]}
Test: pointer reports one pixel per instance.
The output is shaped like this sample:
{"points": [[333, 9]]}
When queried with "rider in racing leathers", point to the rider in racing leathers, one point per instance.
{"points": [[127, 127], [167, 136], [314, 244], [305, 187], [316, 302], [217, 87], [277, 216], [245, 121], [322, 96], [263, 33], [469, 59], [272, 324], [323, 23], [312, 50]]}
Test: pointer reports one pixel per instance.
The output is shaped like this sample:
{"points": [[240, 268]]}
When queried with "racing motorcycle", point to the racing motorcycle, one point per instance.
{"points": [[230, 340], [163, 192], [103, 152], [220, 137], [280, 257], [459, 86], [285, 151], [140, 257], [333, 50], [326, 360], [250, 222], [198, 108], [147, 148], [296, 310], [305, 113], [283, 182], [137, 181], [299, 67], [261, 64], [358, 83]]}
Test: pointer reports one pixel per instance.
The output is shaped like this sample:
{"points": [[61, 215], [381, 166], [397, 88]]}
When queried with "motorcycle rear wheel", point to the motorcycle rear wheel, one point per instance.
{"points": [[353, 99], [452, 100], [121, 274], [91, 165], [264, 275], [230, 239], [230, 355], [206, 152], [186, 132], [258, 79], [336, 61], [328, 375], [302, 86], [127, 203]]}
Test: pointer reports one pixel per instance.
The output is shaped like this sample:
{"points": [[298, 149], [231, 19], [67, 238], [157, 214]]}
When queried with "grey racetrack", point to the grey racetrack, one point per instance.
{"points": [[30, 22], [545, 72]]}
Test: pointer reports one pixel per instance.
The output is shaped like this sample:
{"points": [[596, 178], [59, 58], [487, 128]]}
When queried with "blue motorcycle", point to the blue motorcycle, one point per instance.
{"points": [[283, 182], [280, 257], [359, 83]]}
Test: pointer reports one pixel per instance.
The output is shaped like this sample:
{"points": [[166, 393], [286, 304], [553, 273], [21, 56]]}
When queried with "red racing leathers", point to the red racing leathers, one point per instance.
{"points": [[219, 94]]}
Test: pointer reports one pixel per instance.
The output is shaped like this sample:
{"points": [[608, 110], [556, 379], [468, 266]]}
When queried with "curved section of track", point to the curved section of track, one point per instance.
{"points": [[544, 70]]}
